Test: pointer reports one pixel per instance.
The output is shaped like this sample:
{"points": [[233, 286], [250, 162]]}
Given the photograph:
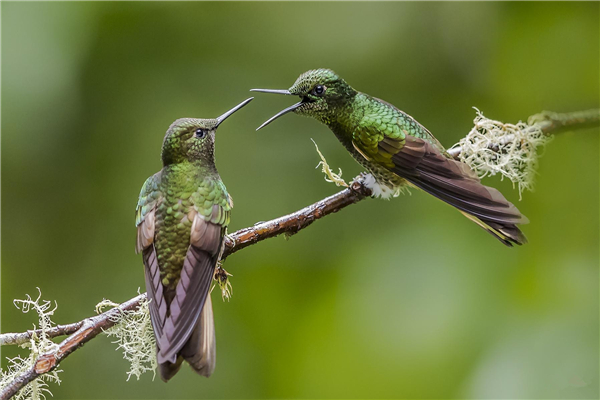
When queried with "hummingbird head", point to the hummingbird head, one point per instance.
{"points": [[322, 93], [192, 139]]}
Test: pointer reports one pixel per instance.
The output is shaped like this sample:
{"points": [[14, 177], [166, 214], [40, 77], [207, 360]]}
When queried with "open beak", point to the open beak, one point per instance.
{"points": [[276, 91], [234, 109], [280, 113]]}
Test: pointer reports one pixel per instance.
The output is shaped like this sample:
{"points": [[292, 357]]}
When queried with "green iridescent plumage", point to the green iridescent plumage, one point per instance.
{"points": [[399, 152], [177, 193], [181, 217]]}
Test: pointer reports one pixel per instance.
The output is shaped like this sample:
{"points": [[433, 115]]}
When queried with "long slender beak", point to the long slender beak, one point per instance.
{"points": [[276, 91], [280, 113], [234, 109]]}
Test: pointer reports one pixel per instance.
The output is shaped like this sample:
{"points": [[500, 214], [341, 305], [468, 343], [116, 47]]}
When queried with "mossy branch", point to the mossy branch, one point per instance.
{"points": [[47, 362], [550, 123], [24, 337], [87, 329]]}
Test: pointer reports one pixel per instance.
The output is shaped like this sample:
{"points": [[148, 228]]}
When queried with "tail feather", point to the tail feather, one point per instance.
{"points": [[168, 370], [200, 351], [498, 218], [507, 234]]}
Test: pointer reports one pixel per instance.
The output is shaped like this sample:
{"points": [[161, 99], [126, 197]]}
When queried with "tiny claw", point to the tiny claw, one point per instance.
{"points": [[222, 278], [230, 240]]}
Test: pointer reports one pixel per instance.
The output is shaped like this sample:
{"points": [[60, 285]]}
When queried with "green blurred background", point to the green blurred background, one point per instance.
{"points": [[396, 299]]}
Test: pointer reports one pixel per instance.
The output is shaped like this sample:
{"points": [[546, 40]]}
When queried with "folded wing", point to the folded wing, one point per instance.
{"points": [[425, 166]]}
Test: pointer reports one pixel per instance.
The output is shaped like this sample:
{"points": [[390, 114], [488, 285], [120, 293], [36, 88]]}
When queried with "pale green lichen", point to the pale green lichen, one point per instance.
{"points": [[37, 345], [330, 176], [493, 147], [134, 336]]}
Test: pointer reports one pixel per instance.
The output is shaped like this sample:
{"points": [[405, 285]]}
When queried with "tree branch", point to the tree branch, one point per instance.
{"points": [[83, 331], [292, 223], [24, 337], [89, 329]]}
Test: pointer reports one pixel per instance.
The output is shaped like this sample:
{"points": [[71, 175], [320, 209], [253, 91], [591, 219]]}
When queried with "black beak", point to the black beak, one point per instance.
{"points": [[280, 113], [234, 109], [276, 91]]}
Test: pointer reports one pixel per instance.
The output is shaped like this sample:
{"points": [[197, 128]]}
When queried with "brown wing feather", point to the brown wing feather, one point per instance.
{"points": [[206, 239], [200, 349], [154, 289], [453, 182], [189, 299], [145, 232]]}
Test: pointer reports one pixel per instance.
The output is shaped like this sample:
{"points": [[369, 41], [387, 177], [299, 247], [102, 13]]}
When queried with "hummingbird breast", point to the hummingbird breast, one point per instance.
{"points": [[172, 237], [174, 218]]}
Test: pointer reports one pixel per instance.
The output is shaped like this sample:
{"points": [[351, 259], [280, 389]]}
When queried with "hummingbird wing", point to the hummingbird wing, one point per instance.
{"points": [[424, 164], [184, 331], [150, 198]]}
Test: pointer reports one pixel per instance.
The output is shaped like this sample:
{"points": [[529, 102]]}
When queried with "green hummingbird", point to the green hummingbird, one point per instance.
{"points": [[181, 217], [398, 151]]}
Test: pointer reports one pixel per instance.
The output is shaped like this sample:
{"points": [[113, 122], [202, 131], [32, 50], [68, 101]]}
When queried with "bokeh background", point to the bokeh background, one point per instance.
{"points": [[396, 299]]}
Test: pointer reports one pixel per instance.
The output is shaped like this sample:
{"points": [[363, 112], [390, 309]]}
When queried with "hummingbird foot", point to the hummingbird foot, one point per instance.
{"points": [[230, 239], [222, 278], [330, 176]]}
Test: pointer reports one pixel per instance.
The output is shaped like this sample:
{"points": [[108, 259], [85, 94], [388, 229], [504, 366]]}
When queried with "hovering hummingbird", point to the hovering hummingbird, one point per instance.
{"points": [[181, 217], [399, 151]]}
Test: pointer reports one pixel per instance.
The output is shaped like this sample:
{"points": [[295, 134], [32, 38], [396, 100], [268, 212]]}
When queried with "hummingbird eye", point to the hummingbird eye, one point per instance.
{"points": [[319, 90], [200, 133]]}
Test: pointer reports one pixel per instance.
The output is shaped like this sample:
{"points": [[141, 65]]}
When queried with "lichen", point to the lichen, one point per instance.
{"points": [[37, 345], [330, 176], [134, 336], [493, 147]]}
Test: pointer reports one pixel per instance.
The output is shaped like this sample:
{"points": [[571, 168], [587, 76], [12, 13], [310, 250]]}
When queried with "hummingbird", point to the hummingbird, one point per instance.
{"points": [[398, 151], [181, 217]]}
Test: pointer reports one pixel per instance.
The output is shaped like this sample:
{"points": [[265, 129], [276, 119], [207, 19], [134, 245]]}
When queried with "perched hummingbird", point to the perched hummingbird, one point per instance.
{"points": [[181, 217], [399, 151]]}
